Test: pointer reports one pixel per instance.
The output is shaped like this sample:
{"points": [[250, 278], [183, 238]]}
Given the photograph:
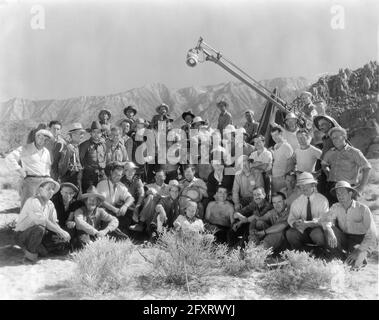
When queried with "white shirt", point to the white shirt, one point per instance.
{"points": [[195, 226], [265, 157], [33, 161], [281, 154], [306, 158], [298, 210], [34, 213], [291, 138], [113, 194]]}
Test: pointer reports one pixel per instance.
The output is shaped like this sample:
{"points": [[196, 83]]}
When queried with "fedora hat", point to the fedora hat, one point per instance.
{"points": [[45, 132], [131, 108], [105, 111], [346, 185], [95, 126], [187, 113], [305, 178], [163, 105], [70, 185], [49, 180], [197, 120], [76, 126], [92, 191]]}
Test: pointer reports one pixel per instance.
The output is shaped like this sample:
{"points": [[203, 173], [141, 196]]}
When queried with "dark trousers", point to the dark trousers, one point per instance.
{"points": [[299, 241], [238, 237], [331, 198], [345, 243]]}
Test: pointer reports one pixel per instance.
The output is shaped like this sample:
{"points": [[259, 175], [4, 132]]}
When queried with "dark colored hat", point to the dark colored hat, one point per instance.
{"points": [[95, 125], [70, 185], [187, 113], [105, 111], [131, 108]]}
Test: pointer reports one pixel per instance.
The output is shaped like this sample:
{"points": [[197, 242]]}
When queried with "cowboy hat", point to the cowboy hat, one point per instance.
{"points": [[198, 119], [343, 184], [70, 185], [187, 113], [130, 108], [76, 126], [92, 191], [49, 180], [94, 126], [163, 105], [45, 132], [105, 111], [305, 178]]}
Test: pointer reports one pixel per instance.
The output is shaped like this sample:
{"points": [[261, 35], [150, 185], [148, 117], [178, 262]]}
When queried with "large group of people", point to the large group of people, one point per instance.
{"points": [[299, 194]]}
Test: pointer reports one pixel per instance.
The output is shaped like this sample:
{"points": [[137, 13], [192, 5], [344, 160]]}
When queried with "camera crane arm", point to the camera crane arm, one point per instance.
{"points": [[210, 54]]}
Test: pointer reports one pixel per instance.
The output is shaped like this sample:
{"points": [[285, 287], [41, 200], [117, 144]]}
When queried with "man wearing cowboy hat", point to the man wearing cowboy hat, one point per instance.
{"points": [[90, 218], [251, 126], [188, 117], [343, 162], [104, 119], [225, 117], [92, 154], [162, 115], [305, 214], [130, 113], [69, 166], [35, 162], [349, 227], [37, 217]]}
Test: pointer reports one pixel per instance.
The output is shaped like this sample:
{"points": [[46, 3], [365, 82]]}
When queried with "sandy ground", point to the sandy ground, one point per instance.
{"points": [[48, 278]]}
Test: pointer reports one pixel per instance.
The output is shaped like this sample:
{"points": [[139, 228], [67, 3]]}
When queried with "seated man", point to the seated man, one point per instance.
{"points": [[92, 221], [37, 216], [154, 191], [65, 204], [219, 214], [166, 211], [271, 227], [349, 227], [291, 190], [305, 214], [248, 215], [189, 222], [118, 200]]}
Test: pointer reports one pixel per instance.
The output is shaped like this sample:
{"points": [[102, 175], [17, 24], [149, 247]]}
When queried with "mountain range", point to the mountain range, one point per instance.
{"points": [[201, 100]]}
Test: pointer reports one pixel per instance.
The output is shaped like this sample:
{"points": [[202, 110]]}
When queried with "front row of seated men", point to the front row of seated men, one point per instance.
{"points": [[51, 219]]}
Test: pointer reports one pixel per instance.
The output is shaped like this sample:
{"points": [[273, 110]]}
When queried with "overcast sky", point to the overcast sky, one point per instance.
{"points": [[104, 47]]}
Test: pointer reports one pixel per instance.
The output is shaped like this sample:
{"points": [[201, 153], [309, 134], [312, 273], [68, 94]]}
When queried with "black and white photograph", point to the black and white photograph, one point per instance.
{"points": [[187, 151]]}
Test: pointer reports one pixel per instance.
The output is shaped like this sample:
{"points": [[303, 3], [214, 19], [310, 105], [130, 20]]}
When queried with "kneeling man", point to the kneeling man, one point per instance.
{"points": [[350, 229]]}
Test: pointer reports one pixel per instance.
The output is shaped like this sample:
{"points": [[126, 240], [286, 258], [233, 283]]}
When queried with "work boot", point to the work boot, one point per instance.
{"points": [[41, 251], [30, 257]]}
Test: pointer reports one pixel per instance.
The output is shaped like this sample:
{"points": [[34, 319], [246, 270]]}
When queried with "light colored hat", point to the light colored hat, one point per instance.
{"points": [[198, 119], [343, 184], [174, 183], [140, 121], [230, 128], [290, 115], [250, 111], [163, 105], [92, 191], [45, 132], [70, 185], [50, 180], [76, 126], [337, 129], [130, 165], [305, 178], [307, 94]]}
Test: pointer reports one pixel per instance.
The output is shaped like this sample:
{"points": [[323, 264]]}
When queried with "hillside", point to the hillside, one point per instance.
{"points": [[18, 115]]}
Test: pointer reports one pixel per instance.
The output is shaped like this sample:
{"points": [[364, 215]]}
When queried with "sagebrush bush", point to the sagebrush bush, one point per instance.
{"points": [[188, 255], [104, 266], [303, 271]]}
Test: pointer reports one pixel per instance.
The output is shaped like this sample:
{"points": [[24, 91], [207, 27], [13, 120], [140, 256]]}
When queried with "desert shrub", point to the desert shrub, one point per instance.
{"points": [[303, 271], [184, 257], [104, 266]]}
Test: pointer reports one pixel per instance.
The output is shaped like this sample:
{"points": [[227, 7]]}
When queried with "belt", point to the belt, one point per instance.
{"points": [[35, 176]]}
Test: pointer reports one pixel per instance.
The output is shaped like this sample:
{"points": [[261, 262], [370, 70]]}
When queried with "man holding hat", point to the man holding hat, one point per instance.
{"points": [[305, 214], [92, 154], [225, 117], [92, 221], [37, 217], [343, 163], [35, 162], [162, 115], [69, 166], [349, 227]]}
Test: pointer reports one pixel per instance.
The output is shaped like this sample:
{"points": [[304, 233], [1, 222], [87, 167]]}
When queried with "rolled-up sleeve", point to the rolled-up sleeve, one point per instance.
{"points": [[82, 225], [111, 220]]}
